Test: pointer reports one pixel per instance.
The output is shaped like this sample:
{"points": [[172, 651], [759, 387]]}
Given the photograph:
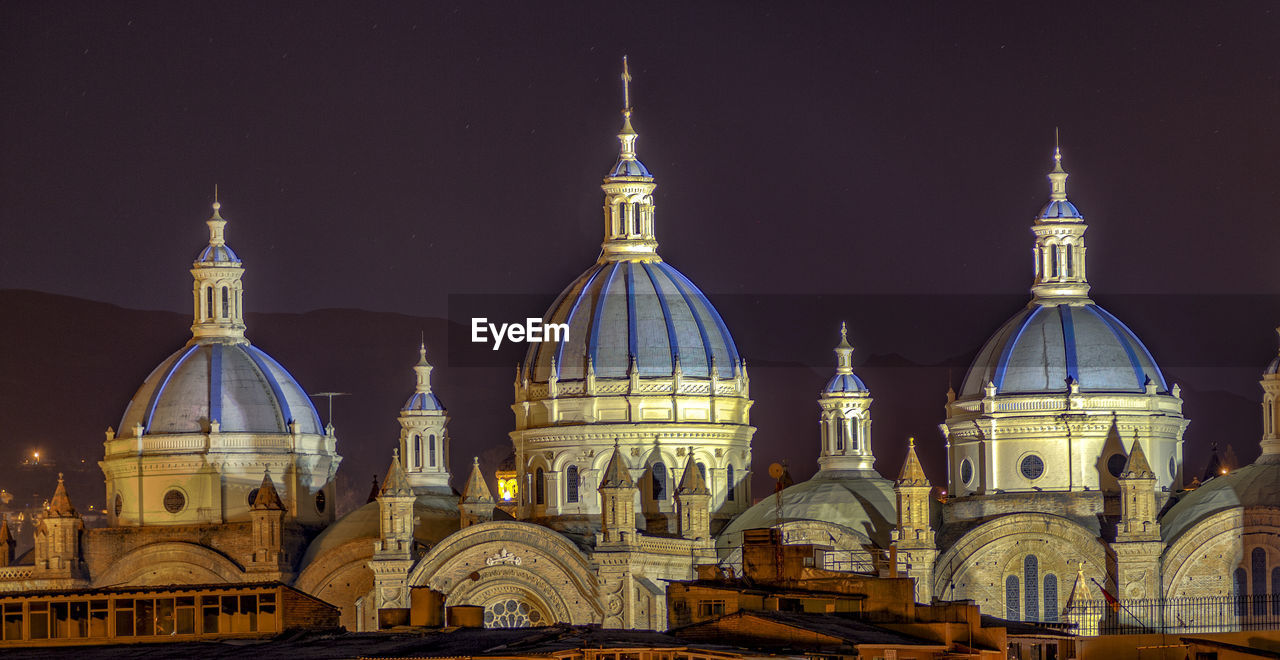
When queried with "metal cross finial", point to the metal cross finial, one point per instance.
{"points": [[626, 85], [1057, 151], [216, 204]]}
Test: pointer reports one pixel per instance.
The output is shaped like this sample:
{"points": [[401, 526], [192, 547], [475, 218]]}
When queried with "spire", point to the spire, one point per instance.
{"points": [[691, 482], [395, 483], [616, 474], [628, 189], [1059, 269], [1058, 176], [844, 352], [476, 490], [60, 505], [267, 499], [912, 473], [423, 370], [1137, 466], [6, 537], [218, 292], [373, 491]]}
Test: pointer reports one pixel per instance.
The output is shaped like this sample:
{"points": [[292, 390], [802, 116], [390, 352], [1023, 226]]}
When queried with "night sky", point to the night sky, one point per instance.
{"points": [[815, 156]]}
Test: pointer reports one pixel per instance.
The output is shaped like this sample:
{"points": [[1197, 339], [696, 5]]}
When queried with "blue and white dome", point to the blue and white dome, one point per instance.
{"points": [[1060, 210], [645, 309], [238, 385], [1043, 345], [844, 384], [217, 254]]}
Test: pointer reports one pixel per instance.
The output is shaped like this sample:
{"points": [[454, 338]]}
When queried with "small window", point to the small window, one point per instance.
{"points": [[321, 502], [708, 608], [1115, 464], [174, 501], [431, 450], [208, 302], [1031, 572], [659, 481], [571, 484], [1032, 467], [731, 488], [1051, 597], [966, 472], [118, 506], [702, 470], [416, 463], [253, 496], [226, 303], [539, 488], [1173, 468], [839, 424]]}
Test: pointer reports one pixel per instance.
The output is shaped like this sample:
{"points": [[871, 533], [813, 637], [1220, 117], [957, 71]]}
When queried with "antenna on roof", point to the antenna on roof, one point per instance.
{"points": [[329, 396]]}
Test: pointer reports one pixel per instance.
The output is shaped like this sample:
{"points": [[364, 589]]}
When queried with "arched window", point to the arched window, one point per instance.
{"points": [[1239, 585], [1012, 609], [417, 452], [1070, 250], [431, 450], [856, 437], [539, 488], [839, 423], [1258, 559], [1051, 597], [1031, 573], [1053, 261], [571, 484], [226, 302], [208, 302], [1275, 590], [728, 476], [659, 481]]}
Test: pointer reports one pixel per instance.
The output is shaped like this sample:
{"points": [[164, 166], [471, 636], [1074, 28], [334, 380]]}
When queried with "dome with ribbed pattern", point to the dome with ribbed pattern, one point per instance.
{"points": [[645, 309]]}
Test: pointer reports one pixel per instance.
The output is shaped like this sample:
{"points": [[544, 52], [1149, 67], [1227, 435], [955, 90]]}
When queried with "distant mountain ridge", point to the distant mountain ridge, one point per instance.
{"points": [[70, 366]]}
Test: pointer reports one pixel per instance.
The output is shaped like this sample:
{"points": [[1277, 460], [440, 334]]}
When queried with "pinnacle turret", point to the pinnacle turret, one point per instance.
{"points": [[628, 189]]}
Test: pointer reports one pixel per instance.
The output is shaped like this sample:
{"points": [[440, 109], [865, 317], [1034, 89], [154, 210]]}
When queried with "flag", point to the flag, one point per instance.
{"points": [[1112, 601]]}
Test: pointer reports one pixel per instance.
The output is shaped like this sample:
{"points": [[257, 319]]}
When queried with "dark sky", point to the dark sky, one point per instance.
{"points": [[384, 156]]}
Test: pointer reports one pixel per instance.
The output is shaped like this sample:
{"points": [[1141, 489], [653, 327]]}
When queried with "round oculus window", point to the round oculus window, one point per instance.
{"points": [[1115, 464], [118, 506], [1032, 467], [320, 501], [174, 501], [966, 471], [1173, 468]]}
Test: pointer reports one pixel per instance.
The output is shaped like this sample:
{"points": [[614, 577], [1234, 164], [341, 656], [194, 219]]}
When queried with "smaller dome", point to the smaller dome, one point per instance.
{"points": [[217, 254], [862, 501], [1058, 209], [629, 167], [1273, 367], [1256, 485], [238, 385], [843, 384], [425, 401], [436, 516]]}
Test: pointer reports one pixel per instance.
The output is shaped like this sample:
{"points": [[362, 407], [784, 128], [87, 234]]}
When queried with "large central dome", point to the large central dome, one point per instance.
{"points": [[648, 310]]}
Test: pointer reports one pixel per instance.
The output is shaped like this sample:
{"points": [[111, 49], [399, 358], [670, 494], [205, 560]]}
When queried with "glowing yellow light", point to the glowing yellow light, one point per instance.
{"points": [[507, 490], [1224, 470]]}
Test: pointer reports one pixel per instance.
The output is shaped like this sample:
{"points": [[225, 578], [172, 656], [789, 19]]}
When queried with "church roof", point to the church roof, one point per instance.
{"points": [[861, 501], [237, 384], [476, 489], [60, 503], [621, 310], [267, 498], [1042, 345], [912, 473], [396, 483], [1137, 465], [691, 481], [1255, 485], [616, 474]]}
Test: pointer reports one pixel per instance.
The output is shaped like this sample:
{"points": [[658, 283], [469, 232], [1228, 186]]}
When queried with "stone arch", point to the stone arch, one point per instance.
{"points": [[171, 562], [975, 567], [1200, 561], [340, 577], [492, 559]]}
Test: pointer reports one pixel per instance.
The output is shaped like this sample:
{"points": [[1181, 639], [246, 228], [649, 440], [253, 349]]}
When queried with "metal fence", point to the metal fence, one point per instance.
{"points": [[1207, 614]]}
